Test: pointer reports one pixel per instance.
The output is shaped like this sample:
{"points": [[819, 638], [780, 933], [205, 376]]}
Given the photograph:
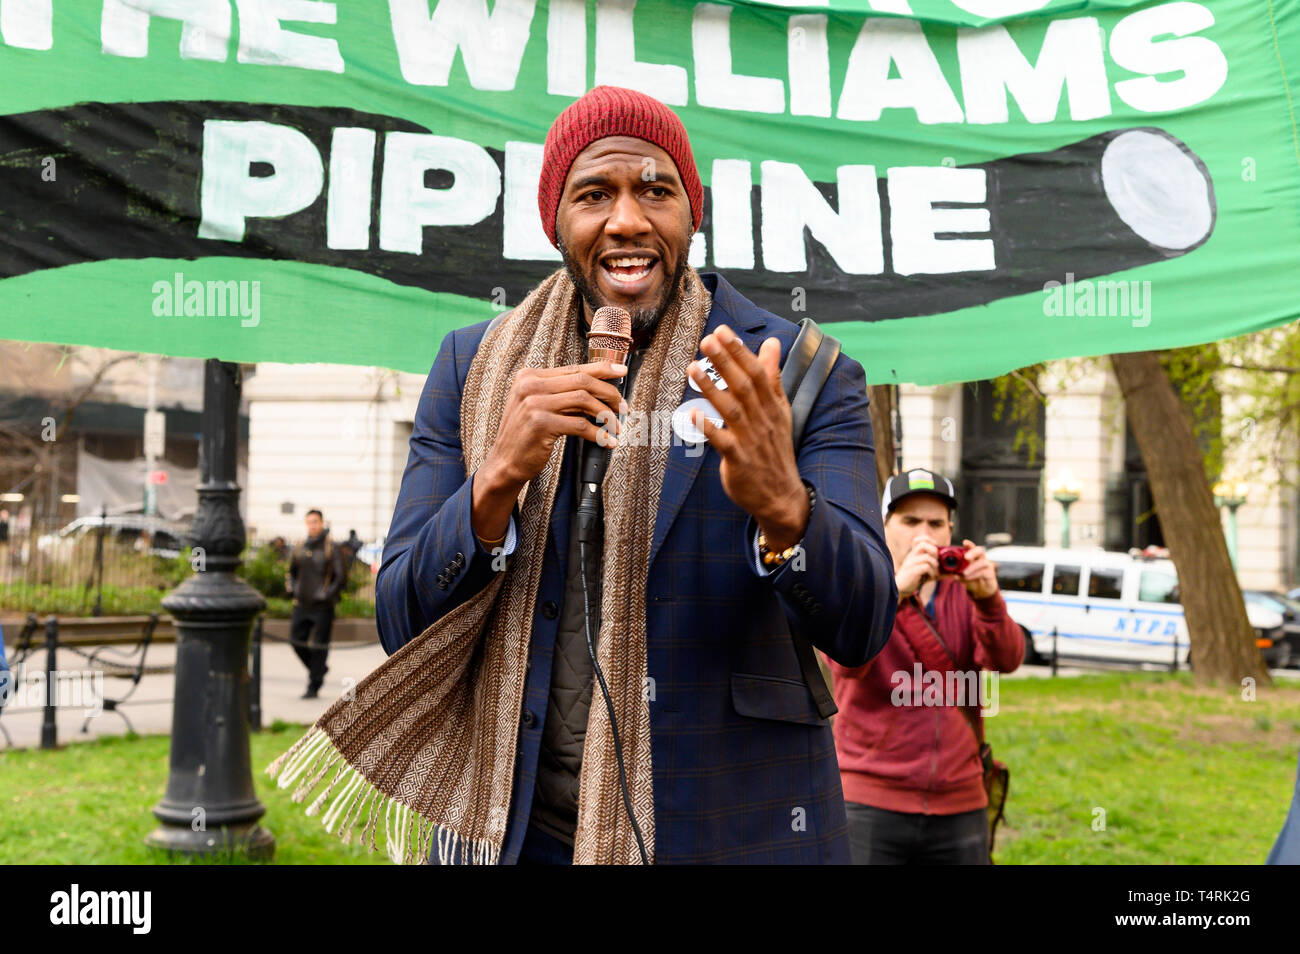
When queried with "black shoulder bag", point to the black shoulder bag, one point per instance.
{"points": [[806, 369]]}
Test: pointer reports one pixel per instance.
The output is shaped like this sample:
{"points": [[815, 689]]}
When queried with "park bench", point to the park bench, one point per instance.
{"points": [[116, 664], [98, 641]]}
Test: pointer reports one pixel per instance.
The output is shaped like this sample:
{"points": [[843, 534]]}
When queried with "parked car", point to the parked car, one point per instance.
{"points": [[1290, 611], [166, 539], [1111, 607]]}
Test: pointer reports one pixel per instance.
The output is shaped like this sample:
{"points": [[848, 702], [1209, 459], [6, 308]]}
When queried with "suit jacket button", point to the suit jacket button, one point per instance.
{"points": [[529, 719], [550, 610], [442, 584], [458, 559]]}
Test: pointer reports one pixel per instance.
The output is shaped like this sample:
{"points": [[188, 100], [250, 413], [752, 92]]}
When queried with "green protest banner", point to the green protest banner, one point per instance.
{"points": [[958, 187]]}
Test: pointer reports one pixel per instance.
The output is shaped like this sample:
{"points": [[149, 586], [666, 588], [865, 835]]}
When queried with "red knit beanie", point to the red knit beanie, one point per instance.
{"points": [[613, 111]]}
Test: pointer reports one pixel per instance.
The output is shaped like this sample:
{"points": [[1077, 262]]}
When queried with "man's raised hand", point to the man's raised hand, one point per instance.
{"points": [[758, 470]]}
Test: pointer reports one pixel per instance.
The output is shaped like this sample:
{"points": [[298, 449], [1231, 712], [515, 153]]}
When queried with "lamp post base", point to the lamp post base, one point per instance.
{"points": [[249, 839]]}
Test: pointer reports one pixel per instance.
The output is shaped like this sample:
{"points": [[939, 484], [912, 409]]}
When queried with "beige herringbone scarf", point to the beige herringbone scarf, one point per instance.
{"points": [[426, 742]]}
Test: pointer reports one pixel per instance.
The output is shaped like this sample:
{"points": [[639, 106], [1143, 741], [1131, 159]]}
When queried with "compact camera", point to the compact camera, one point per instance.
{"points": [[952, 559]]}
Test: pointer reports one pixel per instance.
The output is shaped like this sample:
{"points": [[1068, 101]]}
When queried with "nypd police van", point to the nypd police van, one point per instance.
{"points": [[1108, 607]]}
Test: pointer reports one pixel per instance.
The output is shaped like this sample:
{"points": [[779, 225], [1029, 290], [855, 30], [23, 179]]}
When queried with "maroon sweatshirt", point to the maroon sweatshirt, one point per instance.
{"points": [[900, 746]]}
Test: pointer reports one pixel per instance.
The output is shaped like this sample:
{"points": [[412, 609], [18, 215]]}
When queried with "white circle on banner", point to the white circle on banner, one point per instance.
{"points": [[1158, 189], [711, 372], [686, 430]]}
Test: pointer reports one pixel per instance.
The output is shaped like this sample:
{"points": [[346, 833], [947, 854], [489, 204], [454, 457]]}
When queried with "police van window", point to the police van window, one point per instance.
{"points": [[1156, 587], [1065, 580], [1021, 577], [1105, 584]]}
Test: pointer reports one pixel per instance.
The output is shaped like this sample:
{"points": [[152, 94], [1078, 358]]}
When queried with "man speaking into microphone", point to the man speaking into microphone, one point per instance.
{"points": [[624, 594]]}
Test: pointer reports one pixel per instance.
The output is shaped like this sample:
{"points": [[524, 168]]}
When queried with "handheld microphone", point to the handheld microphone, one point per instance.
{"points": [[608, 339]]}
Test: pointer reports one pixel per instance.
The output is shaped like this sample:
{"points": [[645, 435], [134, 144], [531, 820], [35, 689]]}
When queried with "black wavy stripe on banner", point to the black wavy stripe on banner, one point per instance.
{"points": [[128, 178]]}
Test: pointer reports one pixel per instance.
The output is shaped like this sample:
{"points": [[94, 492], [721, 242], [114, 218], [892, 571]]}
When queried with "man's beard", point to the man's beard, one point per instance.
{"points": [[645, 319]]}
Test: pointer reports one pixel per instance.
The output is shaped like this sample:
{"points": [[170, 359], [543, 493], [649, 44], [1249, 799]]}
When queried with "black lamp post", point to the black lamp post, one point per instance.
{"points": [[210, 806]]}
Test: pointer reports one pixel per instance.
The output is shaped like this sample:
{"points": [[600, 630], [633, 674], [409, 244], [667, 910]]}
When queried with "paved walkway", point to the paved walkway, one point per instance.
{"points": [[284, 679]]}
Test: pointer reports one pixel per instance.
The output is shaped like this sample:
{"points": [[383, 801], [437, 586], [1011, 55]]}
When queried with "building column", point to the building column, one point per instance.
{"points": [[335, 437], [1266, 522], [931, 425], [1084, 436]]}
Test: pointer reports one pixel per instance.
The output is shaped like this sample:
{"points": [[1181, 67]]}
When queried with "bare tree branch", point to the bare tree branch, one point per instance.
{"points": [[1029, 383], [79, 398], [1261, 368]]}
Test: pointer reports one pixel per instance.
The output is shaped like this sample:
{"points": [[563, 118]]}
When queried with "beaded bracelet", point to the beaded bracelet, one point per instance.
{"points": [[771, 558]]}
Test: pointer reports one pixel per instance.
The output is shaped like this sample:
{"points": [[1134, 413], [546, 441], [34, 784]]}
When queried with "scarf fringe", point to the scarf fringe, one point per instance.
{"points": [[324, 768], [455, 850], [354, 813], [314, 807], [409, 837]]}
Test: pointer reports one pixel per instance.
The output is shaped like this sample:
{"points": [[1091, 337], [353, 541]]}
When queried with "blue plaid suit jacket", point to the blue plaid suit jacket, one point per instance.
{"points": [[744, 766]]}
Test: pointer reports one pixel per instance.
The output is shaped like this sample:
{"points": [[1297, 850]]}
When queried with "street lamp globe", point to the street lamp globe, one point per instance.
{"points": [[1065, 490]]}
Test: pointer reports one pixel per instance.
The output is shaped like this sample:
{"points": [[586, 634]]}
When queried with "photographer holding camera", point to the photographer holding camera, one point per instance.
{"points": [[910, 760]]}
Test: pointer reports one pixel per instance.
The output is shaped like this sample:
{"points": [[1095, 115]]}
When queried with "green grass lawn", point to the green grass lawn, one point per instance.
{"points": [[1185, 776], [91, 803]]}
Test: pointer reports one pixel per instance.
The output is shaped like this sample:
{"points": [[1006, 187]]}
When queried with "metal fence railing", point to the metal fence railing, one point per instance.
{"points": [[69, 566]]}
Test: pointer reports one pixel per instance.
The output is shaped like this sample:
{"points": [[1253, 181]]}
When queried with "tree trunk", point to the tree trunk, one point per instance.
{"points": [[1223, 641], [881, 406]]}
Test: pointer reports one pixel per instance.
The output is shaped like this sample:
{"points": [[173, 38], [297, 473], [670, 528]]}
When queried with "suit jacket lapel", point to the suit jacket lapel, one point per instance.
{"points": [[748, 323]]}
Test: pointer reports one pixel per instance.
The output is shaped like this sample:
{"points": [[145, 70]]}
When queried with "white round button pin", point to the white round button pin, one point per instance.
{"points": [[711, 372], [682, 425]]}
